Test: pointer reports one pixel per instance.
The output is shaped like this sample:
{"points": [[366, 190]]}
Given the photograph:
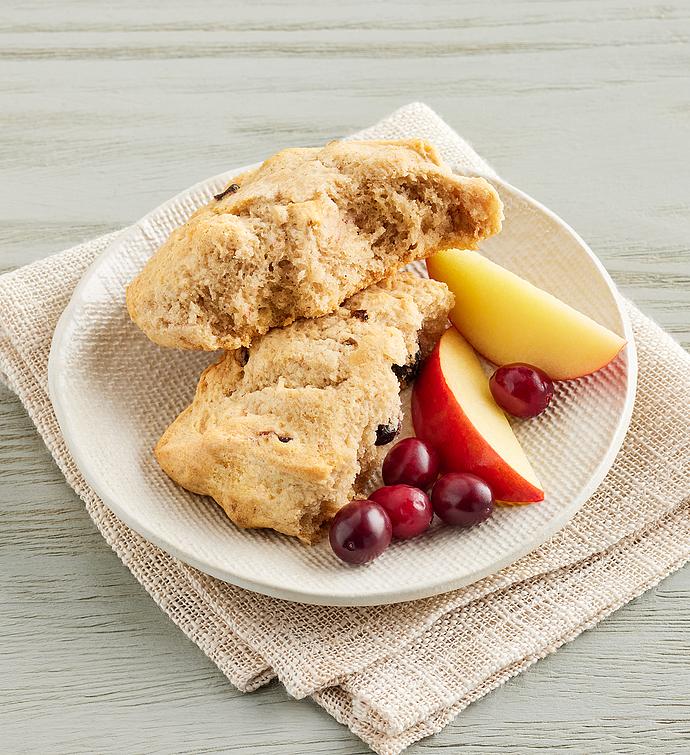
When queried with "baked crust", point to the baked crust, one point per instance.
{"points": [[302, 233], [283, 434]]}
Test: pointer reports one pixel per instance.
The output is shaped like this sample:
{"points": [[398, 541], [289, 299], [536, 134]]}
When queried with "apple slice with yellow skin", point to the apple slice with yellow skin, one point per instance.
{"points": [[453, 411], [509, 320]]}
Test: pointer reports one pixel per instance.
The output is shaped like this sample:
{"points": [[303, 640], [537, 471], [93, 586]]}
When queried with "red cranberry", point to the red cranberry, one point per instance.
{"points": [[411, 462], [462, 499], [521, 390], [408, 508], [360, 532]]}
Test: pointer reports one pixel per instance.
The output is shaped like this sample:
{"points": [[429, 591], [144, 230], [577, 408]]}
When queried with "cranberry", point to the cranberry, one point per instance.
{"points": [[408, 508], [462, 499], [360, 532], [521, 390], [410, 462]]}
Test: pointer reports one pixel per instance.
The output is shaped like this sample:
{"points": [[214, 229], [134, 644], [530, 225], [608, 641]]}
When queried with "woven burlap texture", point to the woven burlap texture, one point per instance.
{"points": [[394, 674]]}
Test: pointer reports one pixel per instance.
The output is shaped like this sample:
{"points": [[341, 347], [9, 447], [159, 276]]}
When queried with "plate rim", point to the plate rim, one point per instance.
{"points": [[312, 596]]}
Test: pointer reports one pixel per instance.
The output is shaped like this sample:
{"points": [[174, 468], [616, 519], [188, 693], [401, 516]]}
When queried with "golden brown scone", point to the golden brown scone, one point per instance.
{"points": [[282, 434], [302, 233]]}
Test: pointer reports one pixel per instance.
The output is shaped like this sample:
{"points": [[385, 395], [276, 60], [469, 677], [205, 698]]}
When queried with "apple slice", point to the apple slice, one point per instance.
{"points": [[453, 410], [509, 320]]}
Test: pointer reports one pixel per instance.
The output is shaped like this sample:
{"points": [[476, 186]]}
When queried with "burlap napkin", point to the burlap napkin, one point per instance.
{"points": [[394, 674]]}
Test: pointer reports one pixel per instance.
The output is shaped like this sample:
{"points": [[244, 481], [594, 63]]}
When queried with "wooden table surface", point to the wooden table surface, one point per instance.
{"points": [[108, 108]]}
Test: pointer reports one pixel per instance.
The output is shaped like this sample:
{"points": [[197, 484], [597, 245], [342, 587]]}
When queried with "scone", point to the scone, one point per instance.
{"points": [[302, 233], [283, 434]]}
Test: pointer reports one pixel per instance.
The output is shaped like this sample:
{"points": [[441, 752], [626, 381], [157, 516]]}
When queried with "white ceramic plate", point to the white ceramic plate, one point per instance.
{"points": [[114, 393]]}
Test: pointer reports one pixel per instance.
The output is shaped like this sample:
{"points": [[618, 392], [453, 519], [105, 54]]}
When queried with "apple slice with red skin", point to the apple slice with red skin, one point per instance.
{"points": [[453, 411]]}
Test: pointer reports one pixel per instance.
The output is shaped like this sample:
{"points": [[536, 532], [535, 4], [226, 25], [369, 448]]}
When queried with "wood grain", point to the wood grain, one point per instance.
{"points": [[109, 108]]}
